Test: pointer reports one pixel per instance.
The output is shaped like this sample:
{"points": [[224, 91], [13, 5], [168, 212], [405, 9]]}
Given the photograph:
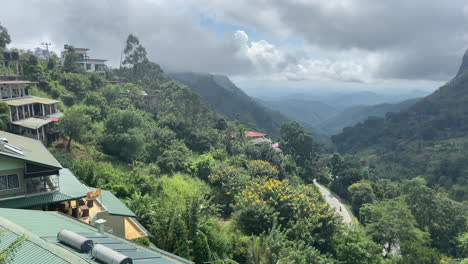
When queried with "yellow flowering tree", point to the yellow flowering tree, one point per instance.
{"points": [[264, 203], [262, 169]]}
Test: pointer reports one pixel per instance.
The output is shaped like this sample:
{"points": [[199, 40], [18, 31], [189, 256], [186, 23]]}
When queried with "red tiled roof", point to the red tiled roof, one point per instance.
{"points": [[254, 134], [16, 82]]}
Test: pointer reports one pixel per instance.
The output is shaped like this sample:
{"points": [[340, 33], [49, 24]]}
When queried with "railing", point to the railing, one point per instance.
{"points": [[36, 185], [42, 184]]}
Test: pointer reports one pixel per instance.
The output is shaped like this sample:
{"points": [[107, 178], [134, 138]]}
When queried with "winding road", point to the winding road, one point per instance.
{"points": [[335, 203]]}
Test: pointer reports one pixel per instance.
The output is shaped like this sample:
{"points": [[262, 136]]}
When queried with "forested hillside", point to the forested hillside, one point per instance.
{"points": [[227, 99], [429, 139], [310, 112], [207, 193], [355, 114]]}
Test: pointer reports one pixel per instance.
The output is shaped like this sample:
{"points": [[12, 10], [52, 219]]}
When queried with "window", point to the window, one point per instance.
{"points": [[9, 182], [88, 66]]}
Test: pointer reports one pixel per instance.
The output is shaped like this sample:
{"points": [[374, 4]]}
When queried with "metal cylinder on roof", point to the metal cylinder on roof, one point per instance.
{"points": [[75, 240], [109, 256]]}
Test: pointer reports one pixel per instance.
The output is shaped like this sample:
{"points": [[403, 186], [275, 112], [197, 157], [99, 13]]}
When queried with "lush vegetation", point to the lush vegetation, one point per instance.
{"points": [[428, 140], [355, 114], [211, 196], [227, 99]]}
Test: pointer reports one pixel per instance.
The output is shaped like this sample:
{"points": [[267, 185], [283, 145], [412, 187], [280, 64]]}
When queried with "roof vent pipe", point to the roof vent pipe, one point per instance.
{"points": [[100, 223], [109, 256], [75, 241]]}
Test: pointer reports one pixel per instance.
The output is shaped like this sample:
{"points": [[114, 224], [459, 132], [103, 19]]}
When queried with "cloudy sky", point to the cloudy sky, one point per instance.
{"points": [[260, 44]]}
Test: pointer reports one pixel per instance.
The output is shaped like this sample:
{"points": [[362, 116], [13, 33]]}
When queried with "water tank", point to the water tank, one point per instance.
{"points": [[75, 241], [14, 55], [109, 256], [6, 55]]}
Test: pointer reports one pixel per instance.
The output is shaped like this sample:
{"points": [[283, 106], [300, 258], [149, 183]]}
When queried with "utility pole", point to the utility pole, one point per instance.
{"points": [[47, 44]]}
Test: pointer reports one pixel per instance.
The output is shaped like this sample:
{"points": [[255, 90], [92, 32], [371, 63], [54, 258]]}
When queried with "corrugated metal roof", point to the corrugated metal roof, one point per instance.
{"points": [[46, 225], [254, 134], [70, 189], [37, 200], [113, 205], [32, 122], [33, 150], [29, 100], [27, 252], [96, 60], [17, 82], [70, 185]]}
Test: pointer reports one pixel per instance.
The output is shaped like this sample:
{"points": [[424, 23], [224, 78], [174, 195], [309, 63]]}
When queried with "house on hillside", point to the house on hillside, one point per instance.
{"points": [[52, 237], [31, 178], [258, 138], [253, 134], [89, 64], [30, 116]]}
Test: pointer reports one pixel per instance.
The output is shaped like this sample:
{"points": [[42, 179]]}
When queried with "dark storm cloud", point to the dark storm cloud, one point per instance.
{"points": [[414, 39], [170, 32]]}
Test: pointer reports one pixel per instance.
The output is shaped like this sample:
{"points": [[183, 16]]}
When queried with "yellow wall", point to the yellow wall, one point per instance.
{"points": [[132, 230]]}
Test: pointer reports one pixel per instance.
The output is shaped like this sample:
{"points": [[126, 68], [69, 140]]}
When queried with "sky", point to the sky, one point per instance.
{"points": [[288, 45]]}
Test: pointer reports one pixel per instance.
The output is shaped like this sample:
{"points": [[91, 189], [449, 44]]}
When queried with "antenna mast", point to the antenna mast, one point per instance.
{"points": [[47, 44]]}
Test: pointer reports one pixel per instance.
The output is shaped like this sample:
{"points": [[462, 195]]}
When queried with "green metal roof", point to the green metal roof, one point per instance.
{"points": [[33, 150], [28, 251], [46, 225], [30, 100], [32, 122], [70, 185], [70, 189], [113, 204]]}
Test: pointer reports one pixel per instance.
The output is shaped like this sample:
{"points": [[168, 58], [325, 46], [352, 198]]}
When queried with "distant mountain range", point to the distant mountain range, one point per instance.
{"points": [[227, 99], [323, 115], [355, 114], [306, 111], [428, 139], [335, 112]]}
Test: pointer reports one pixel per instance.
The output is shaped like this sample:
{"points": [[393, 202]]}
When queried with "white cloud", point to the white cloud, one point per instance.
{"points": [[273, 63]]}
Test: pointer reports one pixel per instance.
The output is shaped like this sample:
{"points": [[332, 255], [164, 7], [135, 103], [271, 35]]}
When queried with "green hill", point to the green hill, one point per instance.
{"points": [[227, 99], [307, 111], [355, 114], [429, 139]]}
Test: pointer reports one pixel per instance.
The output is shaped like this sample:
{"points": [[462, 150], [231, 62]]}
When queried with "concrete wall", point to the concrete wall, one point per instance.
{"points": [[116, 223], [12, 166], [10, 163]]}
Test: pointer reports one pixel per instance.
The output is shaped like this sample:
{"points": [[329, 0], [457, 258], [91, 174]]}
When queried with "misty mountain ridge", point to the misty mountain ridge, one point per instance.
{"points": [[328, 118], [428, 139], [339, 99], [227, 99], [355, 114]]}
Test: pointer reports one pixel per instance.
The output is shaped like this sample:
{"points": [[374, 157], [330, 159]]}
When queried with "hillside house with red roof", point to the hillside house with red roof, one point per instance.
{"points": [[253, 134]]}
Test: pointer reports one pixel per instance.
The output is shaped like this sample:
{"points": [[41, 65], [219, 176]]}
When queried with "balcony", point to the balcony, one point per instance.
{"points": [[41, 184]]}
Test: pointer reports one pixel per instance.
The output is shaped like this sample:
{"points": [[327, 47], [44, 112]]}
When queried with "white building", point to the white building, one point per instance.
{"points": [[89, 64]]}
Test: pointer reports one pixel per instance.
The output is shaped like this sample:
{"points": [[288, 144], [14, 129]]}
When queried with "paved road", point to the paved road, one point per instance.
{"points": [[334, 203]]}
